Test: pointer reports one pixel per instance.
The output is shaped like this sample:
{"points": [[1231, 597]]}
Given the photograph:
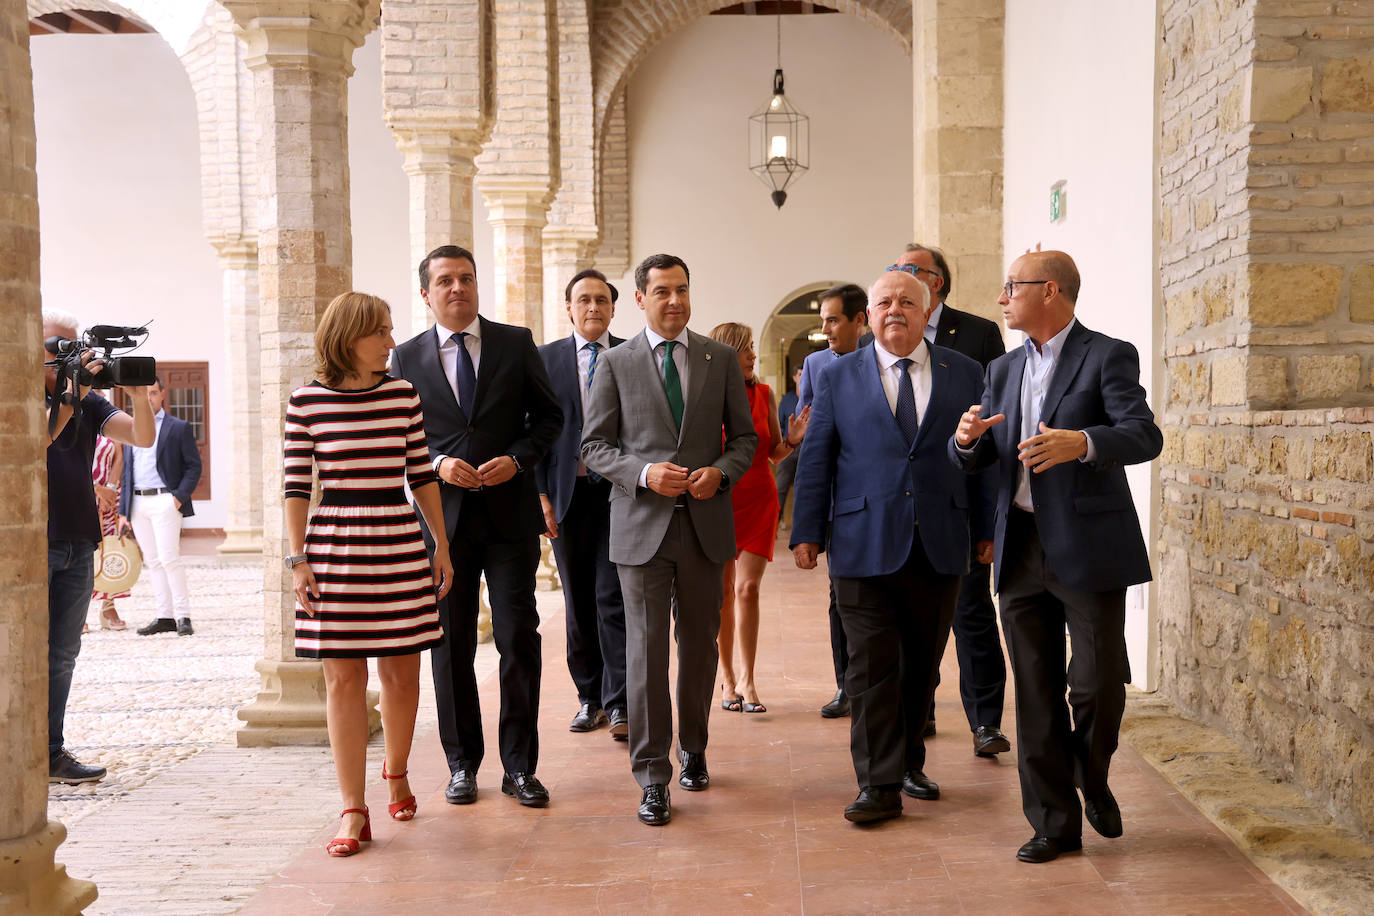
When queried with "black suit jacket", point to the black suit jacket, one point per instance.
{"points": [[1084, 513], [178, 463], [514, 412], [969, 334], [557, 473]]}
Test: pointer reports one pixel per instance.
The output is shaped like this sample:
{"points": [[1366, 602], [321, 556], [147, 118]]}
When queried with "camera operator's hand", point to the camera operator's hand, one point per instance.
{"points": [[92, 363]]}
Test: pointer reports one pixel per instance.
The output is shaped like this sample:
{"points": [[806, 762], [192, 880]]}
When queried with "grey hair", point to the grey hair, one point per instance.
{"points": [[65, 320]]}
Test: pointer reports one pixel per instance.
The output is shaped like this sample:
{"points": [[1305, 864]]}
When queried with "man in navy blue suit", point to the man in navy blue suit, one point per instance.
{"points": [[153, 499], [1060, 418], [577, 515], [899, 540]]}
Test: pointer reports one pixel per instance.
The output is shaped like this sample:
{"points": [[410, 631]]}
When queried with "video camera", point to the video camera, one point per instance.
{"points": [[102, 340]]}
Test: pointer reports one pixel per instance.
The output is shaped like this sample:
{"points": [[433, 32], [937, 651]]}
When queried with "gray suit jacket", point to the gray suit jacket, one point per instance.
{"points": [[629, 425]]}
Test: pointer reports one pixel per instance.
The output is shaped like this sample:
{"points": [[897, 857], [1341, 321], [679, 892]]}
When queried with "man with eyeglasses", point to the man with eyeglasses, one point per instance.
{"points": [[982, 670], [1060, 418]]}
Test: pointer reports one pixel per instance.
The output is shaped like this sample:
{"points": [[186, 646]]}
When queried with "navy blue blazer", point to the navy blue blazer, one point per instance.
{"points": [[1084, 513], [884, 488], [178, 463], [557, 473], [513, 413]]}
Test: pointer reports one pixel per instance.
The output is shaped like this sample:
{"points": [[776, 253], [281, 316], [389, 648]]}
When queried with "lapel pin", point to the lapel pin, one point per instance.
{"points": [[944, 365], [708, 357]]}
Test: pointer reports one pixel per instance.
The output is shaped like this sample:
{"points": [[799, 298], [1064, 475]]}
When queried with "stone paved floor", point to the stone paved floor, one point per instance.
{"points": [[189, 824]]}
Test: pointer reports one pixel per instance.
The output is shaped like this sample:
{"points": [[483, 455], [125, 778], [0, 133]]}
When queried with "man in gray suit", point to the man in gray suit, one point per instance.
{"points": [[653, 429]]}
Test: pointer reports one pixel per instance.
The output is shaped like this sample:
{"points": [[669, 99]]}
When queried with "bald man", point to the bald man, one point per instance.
{"points": [[1059, 419], [874, 460]]}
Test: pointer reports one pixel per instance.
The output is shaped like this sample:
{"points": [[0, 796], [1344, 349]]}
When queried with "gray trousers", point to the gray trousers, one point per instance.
{"points": [[682, 586]]}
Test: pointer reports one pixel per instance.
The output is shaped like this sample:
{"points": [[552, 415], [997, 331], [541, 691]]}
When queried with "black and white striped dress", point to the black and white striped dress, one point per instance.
{"points": [[363, 542]]}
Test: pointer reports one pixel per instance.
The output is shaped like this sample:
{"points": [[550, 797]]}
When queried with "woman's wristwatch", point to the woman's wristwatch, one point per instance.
{"points": [[293, 561]]}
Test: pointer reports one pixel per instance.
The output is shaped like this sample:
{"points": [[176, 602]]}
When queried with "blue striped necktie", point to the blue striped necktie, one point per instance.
{"points": [[906, 402]]}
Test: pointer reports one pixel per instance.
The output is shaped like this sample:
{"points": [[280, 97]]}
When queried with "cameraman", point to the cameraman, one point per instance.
{"points": [[74, 530]]}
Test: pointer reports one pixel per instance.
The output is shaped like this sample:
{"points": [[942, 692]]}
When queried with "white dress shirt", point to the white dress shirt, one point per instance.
{"points": [[656, 341], [584, 361], [1035, 382], [146, 476], [933, 322], [448, 357], [919, 372]]}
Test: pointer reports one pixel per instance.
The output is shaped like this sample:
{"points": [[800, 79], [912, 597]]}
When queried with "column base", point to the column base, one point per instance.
{"points": [[547, 574], [290, 707], [31, 882], [242, 540], [483, 614]]}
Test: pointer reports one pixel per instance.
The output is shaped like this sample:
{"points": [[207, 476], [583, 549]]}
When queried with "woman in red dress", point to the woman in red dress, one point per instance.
{"points": [[755, 500]]}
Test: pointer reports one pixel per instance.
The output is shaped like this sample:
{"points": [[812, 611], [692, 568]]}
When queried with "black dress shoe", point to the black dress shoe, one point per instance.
{"points": [[874, 804], [64, 768], [462, 788], [988, 741], [159, 625], [620, 725], [1040, 849], [588, 719], [919, 785], [929, 731], [526, 789], [1103, 813], [837, 708], [694, 777], [184, 627], [654, 808]]}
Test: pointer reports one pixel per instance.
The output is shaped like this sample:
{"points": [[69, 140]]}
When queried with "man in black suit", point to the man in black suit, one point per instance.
{"points": [[577, 515], [154, 496], [490, 417], [982, 670], [1060, 418]]}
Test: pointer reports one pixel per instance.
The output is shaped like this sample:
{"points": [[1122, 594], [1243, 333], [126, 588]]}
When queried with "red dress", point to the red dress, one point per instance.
{"points": [[755, 495]]}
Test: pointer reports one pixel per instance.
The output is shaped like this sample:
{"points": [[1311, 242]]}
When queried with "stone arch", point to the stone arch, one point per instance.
{"points": [[625, 34], [782, 326], [174, 20]]}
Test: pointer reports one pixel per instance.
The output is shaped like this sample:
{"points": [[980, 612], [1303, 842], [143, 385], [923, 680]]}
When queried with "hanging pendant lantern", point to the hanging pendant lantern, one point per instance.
{"points": [[779, 137]]}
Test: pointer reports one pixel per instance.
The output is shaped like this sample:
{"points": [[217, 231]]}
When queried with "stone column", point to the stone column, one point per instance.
{"points": [[517, 209], [239, 284], [957, 68], [439, 164], [30, 881], [567, 250], [300, 65]]}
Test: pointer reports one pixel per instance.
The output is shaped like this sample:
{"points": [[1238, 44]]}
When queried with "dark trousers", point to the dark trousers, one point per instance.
{"points": [[783, 474], [1060, 746], [839, 646], [897, 626], [682, 587], [509, 567], [982, 670], [71, 575], [593, 607]]}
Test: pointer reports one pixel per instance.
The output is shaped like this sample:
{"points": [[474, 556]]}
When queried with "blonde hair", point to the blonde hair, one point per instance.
{"points": [[350, 317], [736, 335]]}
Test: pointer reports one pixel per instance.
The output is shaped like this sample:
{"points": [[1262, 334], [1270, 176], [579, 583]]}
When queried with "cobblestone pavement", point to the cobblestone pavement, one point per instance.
{"points": [[186, 822]]}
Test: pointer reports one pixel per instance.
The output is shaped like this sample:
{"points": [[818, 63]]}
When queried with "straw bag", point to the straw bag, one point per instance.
{"points": [[118, 562]]}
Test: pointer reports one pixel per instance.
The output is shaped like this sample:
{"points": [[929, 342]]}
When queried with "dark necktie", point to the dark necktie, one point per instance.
{"points": [[906, 402], [672, 382], [591, 363], [467, 375]]}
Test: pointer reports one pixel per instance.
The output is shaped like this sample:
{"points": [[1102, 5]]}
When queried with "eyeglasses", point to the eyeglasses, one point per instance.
{"points": [[1009, 288], [914, 270]]}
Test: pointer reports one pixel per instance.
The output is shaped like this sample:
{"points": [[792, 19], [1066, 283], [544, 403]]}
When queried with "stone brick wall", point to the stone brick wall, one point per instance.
{"points": [[1267, 528], [613, 194]]}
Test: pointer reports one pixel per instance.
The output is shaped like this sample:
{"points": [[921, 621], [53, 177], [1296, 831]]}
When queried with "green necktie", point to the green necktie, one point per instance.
{"points": [[672, 383]]}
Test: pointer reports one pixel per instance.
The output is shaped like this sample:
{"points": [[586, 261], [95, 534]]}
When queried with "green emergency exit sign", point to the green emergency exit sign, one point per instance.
{"points": [[1058, 201]]}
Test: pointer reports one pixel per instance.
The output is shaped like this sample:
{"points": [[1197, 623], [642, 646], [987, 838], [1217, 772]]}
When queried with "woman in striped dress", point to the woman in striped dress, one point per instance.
{"points": [[364, 584]]}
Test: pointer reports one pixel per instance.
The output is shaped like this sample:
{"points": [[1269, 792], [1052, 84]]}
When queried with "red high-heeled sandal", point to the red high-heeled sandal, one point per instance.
{"points": [[404, 809], [342, 846]]}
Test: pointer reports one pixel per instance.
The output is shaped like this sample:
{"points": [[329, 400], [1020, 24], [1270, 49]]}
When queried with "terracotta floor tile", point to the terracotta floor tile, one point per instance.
{"points": [[769, 836]]}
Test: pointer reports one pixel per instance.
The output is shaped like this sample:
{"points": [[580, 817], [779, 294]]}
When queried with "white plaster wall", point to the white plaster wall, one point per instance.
{"points": [[119, 207], [693, 195], [1080, 107]]}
